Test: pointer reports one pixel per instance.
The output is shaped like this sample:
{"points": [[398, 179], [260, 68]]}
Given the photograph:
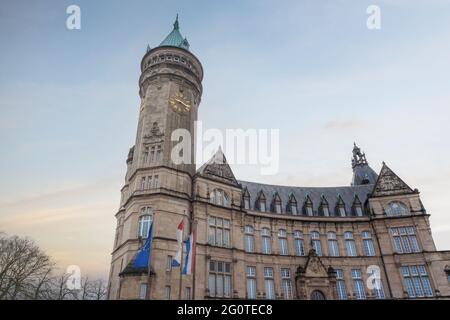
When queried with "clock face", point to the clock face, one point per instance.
{"points": [[180, 103]]}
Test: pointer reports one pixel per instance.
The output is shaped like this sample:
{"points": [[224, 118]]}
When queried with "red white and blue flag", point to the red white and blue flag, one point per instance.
{"points": [[176, 262], [189, 265]]}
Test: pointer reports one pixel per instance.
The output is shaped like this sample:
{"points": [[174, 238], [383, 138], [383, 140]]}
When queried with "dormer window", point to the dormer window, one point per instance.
{"points": [[308, 206], [340, 207], [246, 200], [357, 207], [277, 203], [293, 205], [324, 207], [261, 202]]}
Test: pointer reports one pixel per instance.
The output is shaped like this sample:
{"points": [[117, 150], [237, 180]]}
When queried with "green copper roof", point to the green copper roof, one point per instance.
{"points": [[175, 39]]}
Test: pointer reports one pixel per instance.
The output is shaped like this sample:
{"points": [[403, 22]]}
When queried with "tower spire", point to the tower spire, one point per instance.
{"points": [[362, 172], [176, 24]]}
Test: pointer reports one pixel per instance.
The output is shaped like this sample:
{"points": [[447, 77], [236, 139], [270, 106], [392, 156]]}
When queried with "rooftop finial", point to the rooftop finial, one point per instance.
{"points": [[359, 158], [176, 25]]}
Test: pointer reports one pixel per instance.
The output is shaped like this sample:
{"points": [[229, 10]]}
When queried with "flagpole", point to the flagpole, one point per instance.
{"points": [[150, 260], [181, 262], [194, 259]]}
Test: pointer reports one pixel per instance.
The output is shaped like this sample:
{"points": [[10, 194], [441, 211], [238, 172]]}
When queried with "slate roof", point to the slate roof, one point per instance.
{"points": [[315, 193], [364, 174]]}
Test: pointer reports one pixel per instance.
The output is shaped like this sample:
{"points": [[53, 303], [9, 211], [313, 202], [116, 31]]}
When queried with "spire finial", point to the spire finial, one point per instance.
{"points": [[176, 25]]}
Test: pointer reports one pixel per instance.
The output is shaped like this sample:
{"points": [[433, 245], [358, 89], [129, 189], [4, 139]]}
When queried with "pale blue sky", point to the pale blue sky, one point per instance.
{"points": [[69, 101]]}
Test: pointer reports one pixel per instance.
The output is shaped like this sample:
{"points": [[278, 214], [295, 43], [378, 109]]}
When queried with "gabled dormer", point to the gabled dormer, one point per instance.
{"points": [[308, 206], [246, 199], [260, 202], [276, 203], [291, 206], [357, 207], [324, 208], [340, 207]]}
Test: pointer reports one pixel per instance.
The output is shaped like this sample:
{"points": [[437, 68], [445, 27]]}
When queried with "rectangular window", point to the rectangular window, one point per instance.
{"points": [[358, 284], [142, 183], [220, 279], [340, 285], [333, 248], [278, 208], [262, 206], [317, 246], [169, 263], [283, 246], [299, 247], [143, 291], [267, 248], [166, 293], [156, 182], [405, 240], [249, 243], [149, 182], [294, 209], [251, 282], [326, 213], [269, 283], [286, 283], [219, 232], [368, 248], [359, 212], [351, 248], [309, 211], [187, 293], [416, 281]]}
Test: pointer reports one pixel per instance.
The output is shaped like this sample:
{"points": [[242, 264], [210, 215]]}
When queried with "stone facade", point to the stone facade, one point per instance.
{"points": [[254, 240]]}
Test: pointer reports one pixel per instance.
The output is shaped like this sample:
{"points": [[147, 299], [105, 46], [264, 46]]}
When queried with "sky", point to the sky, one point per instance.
{"points": [[69, 101]]}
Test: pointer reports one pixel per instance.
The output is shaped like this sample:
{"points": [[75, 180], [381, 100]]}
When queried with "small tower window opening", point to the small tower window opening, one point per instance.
{"points": [[159, 153], [152, 154], [146, 151]]}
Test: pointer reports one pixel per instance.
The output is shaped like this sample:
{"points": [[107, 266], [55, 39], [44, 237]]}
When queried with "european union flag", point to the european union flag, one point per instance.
{"points": [[143, 257]]}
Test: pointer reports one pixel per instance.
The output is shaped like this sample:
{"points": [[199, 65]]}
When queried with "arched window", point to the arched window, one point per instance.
{"points": [[249, 239], [299, 243], [368, 244], [315, 241], [317, 295], [396, 208], [333, 246], [219, 197], [282, 240], [145, 221], [266, 241], [350, 244]]}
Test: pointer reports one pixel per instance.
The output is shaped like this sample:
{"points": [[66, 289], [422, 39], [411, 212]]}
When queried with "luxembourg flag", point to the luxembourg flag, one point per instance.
{"points": [[176, 262], [189, 265]]}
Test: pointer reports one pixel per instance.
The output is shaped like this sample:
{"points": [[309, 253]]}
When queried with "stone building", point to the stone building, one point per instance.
{"points": [[259, 241]]}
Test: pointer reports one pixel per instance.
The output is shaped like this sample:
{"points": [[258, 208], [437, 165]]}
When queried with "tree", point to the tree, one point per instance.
{"points": [[24, 269]]}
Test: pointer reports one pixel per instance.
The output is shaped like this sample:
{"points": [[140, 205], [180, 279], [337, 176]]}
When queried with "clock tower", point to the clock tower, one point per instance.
{"points": [[158, 189]]}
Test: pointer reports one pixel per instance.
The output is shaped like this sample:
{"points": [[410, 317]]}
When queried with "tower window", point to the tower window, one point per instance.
{"points": [[152, 154], [145, 221], [159, 153]]}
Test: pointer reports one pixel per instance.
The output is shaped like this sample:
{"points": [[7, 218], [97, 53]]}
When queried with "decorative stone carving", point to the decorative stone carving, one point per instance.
{"points": [[389, 184], [155, 134]]}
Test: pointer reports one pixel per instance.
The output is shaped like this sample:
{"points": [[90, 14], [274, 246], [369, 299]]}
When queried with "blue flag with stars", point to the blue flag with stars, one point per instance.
{"points": [[143, 256]]}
